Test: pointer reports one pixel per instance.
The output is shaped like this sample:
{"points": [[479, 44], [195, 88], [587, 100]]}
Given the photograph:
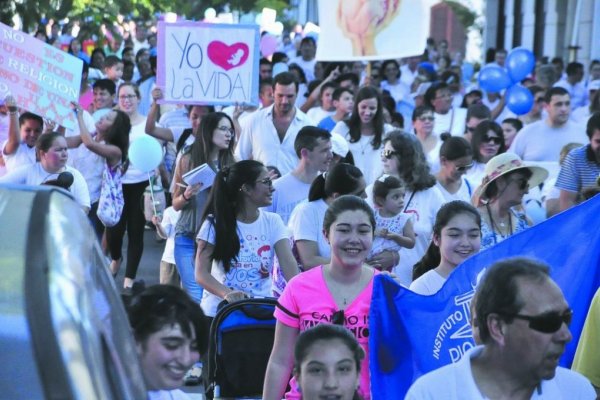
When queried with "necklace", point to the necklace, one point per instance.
{"points": [[347, 292], [500, 226], [363, 147]]}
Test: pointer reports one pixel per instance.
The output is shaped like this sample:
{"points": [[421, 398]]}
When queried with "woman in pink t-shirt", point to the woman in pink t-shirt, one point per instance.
{"points": [[338, 293]]}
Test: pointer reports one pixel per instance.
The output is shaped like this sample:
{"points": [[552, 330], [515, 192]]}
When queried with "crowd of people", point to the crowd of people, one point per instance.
{"points": [[344, 171]]}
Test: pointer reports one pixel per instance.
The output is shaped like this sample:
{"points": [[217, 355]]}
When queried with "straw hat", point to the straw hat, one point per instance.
{"points": [[501, 165]]}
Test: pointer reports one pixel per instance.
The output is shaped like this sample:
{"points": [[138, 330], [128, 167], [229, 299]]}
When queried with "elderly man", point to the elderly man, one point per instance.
{"points": [[523, 322]]}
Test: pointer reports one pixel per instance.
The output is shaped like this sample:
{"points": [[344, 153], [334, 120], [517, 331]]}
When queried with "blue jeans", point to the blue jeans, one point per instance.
{"points": [[185, 253]]}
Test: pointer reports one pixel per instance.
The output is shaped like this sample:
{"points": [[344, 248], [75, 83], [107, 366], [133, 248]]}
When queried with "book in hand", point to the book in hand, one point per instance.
{"points": [[202, 174]]}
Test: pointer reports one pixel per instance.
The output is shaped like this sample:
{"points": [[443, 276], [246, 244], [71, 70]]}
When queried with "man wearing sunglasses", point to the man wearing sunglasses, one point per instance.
{"points": [[522, 320], [543, 140]]}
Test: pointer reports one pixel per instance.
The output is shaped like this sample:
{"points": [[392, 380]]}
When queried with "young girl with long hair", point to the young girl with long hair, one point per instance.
{"points": [[456, 237], [365, 131], [213, 145], [238, 240]]}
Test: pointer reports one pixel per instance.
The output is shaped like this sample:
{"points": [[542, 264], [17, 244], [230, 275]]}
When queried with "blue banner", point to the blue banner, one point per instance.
{"points": [[411, 334]]}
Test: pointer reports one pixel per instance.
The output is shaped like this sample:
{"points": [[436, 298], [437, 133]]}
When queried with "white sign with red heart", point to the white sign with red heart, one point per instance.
{"points": [[201, 63]]}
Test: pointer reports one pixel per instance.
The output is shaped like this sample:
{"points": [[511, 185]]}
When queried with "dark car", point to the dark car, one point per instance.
{"points": [[64, 333]]}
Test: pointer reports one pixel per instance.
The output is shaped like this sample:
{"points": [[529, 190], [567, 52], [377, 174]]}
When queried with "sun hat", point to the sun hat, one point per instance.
{"points": [[339, 145], [501, 165]]}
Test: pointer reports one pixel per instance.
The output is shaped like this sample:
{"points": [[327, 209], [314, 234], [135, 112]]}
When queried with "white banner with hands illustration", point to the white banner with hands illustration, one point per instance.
{"points": [[200, 63], [371, 29]]}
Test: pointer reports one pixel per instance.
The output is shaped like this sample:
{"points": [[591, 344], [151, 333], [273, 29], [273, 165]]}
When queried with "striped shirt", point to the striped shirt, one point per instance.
{"points": [[579, 170]]}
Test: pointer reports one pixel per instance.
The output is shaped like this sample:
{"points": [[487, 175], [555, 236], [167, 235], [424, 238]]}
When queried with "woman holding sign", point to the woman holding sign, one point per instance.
{"points": [[134, 182], [213, 146]]}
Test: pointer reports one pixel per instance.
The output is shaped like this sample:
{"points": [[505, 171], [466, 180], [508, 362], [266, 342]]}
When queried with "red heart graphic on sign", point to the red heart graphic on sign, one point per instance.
{"points": [[228, 57]]}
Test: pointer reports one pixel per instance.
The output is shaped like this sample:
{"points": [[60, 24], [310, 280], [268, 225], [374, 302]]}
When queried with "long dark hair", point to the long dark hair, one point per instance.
{"points": [[412, 164], [199, 152], [342, 179], [353, 123], [480, 132], [224, 202], [432, 257], [118, 134]]}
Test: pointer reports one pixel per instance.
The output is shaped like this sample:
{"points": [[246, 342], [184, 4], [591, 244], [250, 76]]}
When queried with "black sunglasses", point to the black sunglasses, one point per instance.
{"points": [[267, 181], [463, 168], [494, 139], [338, 317], [549, 322], [522, 183], [389, 153]]}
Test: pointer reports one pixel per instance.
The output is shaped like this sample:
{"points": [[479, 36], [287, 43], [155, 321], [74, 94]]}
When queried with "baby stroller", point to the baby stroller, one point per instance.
{"points": [[240, 343]]}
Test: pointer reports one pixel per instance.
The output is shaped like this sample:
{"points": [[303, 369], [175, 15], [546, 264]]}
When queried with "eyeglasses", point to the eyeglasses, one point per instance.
{"points": [[470, 129], [426, 118], [547, 323], [389, 153], [226, 129], [463, 168], [128, 97], [267, 181], [493, 139], [522, 183], [338, 317]]}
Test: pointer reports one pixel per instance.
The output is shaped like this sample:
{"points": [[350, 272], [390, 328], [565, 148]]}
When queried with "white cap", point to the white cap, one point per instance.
{"points": [[339, 145]]}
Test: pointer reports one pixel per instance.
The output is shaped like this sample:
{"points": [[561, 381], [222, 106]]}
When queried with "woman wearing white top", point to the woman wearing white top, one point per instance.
{"points": [[456, 237], [134, 183], [403, 158], [392, 83], [456, 157], [423, 121], [365, 131]]}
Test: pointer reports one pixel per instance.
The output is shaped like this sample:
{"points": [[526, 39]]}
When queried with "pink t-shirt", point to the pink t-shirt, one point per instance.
{"points": [[306, 302]]}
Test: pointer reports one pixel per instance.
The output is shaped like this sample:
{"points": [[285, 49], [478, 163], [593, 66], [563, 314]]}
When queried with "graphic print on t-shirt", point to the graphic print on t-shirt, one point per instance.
{"points": [[254, 263]]}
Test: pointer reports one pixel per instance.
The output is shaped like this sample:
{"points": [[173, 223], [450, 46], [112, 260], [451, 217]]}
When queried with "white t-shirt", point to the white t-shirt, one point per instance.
{"points": [[24, 155], [464, 193], [453, 121], [254, 267], [316, 114], [541, 142], [175, 394], [476, 173], [455, 381], [581, 115], [424, 207], [307, 66], [36, 175], [399, 91], [366, 158], [429, 283], [168, 223], [306, 223], [289, 191]]}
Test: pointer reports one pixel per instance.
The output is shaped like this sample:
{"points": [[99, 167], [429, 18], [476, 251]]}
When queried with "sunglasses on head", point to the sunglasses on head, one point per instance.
{"points": [[389, 153], [338, 317], [493, 139], [549, 322]]}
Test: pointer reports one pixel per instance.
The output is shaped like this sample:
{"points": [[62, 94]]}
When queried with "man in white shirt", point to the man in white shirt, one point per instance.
{"points": [[447, 118], [314, 149], [268, 135], [306, 60], [522, 319], [543, 140], [410, 70], [23, 132]]}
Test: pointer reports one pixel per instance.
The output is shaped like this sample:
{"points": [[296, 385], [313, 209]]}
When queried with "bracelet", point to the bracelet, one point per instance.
{"points": [[185, 198]]}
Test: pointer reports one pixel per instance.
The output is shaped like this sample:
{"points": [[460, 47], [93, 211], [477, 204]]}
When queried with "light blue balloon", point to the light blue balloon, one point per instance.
{"points": [[519, 62], [493, 79], [145, 153], [519, 99]]}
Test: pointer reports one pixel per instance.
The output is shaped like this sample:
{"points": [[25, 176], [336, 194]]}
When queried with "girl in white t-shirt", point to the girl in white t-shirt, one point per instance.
{"points": [[237, 240], [456, 237], [394, 227]]}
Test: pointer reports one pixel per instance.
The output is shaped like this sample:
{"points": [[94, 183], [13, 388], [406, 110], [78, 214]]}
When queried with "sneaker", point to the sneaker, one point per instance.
{"points": [[193, 376]]}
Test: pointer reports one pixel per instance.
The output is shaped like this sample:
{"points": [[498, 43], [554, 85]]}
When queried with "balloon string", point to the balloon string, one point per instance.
{"points": [[152, 193]]}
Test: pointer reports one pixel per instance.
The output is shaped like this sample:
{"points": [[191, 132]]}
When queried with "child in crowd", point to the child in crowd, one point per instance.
{"points": [[165, 227], [394, 227], [343, 102], [113, 69], [456, 237], [326, 109]]}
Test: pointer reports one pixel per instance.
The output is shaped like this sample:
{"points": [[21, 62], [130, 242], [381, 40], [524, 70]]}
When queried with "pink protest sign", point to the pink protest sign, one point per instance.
{"points": [[41, 78], [200, 63]]}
